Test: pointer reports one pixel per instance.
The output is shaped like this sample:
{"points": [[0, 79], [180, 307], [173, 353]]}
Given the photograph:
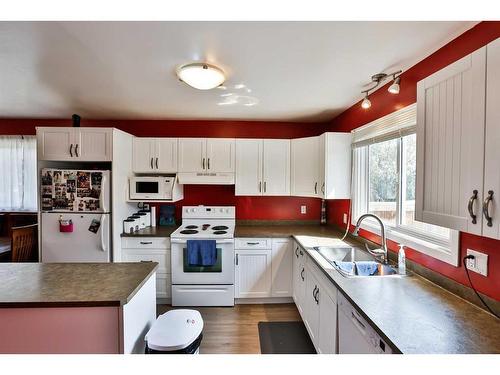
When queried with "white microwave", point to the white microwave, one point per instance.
{"points": [[151, 187]]}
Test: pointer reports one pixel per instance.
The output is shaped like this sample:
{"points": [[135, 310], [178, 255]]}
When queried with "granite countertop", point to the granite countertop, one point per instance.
{"points": [[158, 231], [412, 314], [71, 284]]}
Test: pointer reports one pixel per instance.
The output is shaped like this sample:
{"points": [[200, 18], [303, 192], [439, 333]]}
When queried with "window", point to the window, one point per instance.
{"points": [[384, 161], [18, 188]]}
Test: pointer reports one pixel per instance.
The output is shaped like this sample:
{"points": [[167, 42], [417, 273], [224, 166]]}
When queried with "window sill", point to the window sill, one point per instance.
{"points": [[447, 254]]}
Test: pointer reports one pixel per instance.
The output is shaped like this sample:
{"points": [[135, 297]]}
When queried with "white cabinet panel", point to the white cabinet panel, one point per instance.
{"points": [[56, 143], [252, 273], [252, 243], [492, 141], [166, 155], [335, 165], [143, 155], [248, 167], [305, 167], [327, 333], [311, 306], [163, 285], [160, 256], [282, 263], [220, 155], [192, 155], [276, 167], [450, 144], [95, 144]]}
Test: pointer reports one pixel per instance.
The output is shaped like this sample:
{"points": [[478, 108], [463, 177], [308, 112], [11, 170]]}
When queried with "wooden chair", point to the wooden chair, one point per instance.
{"points": [[24, 243]]}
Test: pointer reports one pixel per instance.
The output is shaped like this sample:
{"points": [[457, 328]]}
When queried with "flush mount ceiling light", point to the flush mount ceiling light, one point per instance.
{"points": [[201, 76], [377, 79]]}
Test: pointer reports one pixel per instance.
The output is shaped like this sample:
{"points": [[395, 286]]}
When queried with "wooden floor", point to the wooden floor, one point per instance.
{"points": [[233, 330]]}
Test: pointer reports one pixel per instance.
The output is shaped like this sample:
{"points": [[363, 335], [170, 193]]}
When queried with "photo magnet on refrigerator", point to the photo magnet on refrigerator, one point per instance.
{"points": [[94, 226]]}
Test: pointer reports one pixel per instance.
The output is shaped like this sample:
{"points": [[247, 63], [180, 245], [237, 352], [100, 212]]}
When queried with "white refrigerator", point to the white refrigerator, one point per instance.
{"points": [[75, 215]]}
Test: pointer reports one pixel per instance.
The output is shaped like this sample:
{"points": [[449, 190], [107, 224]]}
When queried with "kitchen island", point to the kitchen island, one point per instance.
{"points": [[76, 307]]}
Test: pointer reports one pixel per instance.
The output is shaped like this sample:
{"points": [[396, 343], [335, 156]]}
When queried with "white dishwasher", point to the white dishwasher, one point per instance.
{"points": [[356, 336]]}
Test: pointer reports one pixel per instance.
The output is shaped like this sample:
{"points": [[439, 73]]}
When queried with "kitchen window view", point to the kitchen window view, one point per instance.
{"points": [[384, 185]]}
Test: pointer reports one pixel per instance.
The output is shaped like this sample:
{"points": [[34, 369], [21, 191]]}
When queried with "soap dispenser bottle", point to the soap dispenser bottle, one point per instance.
{"points": [[401, 260]]}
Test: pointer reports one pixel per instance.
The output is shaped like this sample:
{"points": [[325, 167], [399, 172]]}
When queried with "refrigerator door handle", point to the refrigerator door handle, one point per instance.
{"points": [[103, 246], [101, 195]]}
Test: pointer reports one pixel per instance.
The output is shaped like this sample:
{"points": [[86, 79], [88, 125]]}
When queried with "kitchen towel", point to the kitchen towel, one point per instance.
{"points": [[367, 268], [201, 252], [346, 267]]}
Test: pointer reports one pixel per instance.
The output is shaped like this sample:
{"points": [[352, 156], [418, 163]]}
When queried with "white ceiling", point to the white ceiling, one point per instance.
{"points": [[298, 71]]}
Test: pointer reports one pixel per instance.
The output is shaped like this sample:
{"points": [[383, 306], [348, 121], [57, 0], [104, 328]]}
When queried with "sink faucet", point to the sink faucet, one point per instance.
{"points": [[382, 252]]}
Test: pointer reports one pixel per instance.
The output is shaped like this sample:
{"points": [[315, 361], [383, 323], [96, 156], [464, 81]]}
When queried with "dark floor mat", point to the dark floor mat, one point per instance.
{"points": [[284, 338]]}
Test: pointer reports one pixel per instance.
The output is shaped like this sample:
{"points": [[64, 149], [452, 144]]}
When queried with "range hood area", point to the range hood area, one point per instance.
{"points": [[206, 178]]}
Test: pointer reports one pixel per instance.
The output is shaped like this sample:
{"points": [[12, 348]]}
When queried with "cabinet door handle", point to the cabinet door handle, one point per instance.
{"points": [[302, 274], [237, 259], [76, 150], [315, 188], [301, 253], [260, 186], [470, 205], [314, 292], [156, 163], [316, 296], [71, 149], [203, 163], [208, 163], [151, 163], [486, 205], [146, 242], [323, 188], [265, 186]]}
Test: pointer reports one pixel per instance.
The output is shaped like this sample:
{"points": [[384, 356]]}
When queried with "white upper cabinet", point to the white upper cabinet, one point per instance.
{"points": [[248, 167], [491, 228], [74, 144], [276, 167], [321, 166], [192, 154], [220, 155], [305, 167], [450, 145], [206, 155], [262, 167], [155, 155]]}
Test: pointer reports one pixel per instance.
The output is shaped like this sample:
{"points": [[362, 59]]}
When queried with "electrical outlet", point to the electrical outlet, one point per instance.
{"points": [[345, 219], [479, 264], [303, 209]]}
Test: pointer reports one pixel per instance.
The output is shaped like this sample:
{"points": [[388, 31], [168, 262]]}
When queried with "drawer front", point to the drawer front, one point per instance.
{"points": [[163, 286], [145, 243], [162, 257], [252, 243]]}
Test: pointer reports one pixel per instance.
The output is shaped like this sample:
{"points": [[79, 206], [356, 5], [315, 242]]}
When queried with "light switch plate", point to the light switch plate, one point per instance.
{"points": [[479, 264], [345, 219], [303, 209]]}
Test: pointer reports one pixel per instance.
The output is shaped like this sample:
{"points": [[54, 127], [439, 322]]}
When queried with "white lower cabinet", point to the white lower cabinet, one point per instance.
{"points": [[281, 266], [316, 299], [151, 249], [252, 273]]}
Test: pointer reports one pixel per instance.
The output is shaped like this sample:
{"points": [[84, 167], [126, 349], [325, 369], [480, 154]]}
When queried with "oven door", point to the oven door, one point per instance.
{"points": [[221, 273]]}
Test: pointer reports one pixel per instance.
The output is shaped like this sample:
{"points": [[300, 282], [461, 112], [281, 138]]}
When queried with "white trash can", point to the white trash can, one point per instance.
{"points": [[175, 332]]}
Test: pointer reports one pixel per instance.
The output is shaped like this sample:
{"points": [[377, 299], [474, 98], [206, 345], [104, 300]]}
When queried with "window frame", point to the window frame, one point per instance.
{"points": [[446, 250]]}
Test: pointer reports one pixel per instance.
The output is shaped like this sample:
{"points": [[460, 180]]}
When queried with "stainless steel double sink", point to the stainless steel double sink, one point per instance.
{"points": [[354, 262]]}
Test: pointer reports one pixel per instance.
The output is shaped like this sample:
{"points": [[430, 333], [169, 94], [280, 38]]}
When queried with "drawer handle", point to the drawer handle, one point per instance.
{"points": [[146, 242], [252, 243], [146, 261]]}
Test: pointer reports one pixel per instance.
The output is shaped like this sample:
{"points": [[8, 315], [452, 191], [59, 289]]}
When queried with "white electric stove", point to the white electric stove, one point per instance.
{"points": [[194, 285]]}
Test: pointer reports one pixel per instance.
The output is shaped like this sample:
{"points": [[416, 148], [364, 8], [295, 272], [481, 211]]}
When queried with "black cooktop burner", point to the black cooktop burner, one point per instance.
{"points": [[189, 231], [220, 232], [220, 227], [191, 226]]}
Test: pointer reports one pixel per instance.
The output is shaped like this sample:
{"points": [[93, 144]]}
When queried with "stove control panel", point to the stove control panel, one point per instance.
{"points": [[208, 212]]}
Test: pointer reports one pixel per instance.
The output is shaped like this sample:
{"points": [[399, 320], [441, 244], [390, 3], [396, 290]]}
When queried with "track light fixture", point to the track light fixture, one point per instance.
{"points": [[377, 79]]}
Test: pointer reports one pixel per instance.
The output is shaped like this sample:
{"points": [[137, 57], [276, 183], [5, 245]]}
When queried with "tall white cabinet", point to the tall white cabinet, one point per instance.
{"points": [[262, 167], [458, 137]]}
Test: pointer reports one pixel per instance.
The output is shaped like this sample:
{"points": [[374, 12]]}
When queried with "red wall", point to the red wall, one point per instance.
{"points": [[247, 208], [384, 103]]}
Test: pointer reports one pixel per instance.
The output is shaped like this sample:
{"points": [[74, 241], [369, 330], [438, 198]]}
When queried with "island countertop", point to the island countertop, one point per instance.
{"points": [[71, 284]]}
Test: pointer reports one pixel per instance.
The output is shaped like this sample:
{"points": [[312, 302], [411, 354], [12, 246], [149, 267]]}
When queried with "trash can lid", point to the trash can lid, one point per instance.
{"points": [[175, 330]]}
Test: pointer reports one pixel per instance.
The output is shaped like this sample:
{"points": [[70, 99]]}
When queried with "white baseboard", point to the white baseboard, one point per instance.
{"points": [[243, 301]]}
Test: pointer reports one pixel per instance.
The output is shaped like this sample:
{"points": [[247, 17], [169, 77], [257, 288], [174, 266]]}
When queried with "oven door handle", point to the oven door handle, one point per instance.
{"points": [[218, 241]]}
